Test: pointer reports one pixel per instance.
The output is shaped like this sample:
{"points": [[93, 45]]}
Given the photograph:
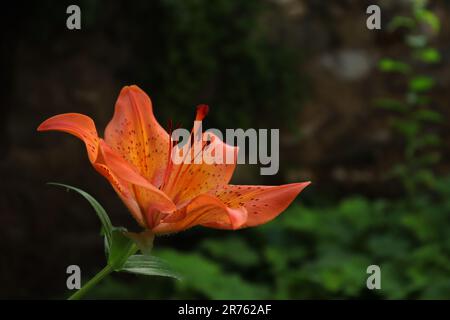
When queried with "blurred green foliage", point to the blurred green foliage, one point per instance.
{"points": [[415, 117], [320, 252]]}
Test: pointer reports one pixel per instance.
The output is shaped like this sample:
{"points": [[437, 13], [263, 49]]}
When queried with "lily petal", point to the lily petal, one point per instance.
{"points": [[83, 127], [204, 210], [263, 203], [147, 194], [124, 191], [136, 135], [78, 125]]}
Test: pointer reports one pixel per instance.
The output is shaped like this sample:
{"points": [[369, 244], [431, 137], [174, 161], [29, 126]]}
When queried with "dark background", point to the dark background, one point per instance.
{"points": [[308, 67]]}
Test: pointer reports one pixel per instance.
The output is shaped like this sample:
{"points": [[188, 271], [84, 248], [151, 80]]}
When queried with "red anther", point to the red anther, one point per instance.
{"points": [[202, 111]]}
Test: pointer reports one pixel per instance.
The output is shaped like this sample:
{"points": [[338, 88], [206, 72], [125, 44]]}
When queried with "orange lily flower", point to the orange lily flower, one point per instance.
{"points": [[164, 197]]}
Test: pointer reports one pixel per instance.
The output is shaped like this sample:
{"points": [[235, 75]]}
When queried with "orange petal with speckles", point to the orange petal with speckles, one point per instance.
{"points": [[121, 175], [203, 210], [77, 124], [146, 194], [124, 191], [136, 135], [263, 203], [188, 180]]}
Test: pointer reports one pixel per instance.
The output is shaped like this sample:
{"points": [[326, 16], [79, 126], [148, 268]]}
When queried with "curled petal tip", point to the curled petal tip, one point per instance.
{"points": [[306, 183], [76, 124], [133, 87], [299, 186], [48, 124], [126, 89]]}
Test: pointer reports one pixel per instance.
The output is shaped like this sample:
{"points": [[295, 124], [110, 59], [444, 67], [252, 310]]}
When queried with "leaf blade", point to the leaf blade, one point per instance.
{"points": [[99, 210], [122, 247], [150, 266]]}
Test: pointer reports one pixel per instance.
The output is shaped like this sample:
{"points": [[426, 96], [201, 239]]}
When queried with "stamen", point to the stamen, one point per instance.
{"points": [[169, 159], [202, 111]]}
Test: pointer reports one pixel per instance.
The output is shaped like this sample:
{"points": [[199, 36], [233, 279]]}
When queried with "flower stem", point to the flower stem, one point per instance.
{"points": [[91, 283]]}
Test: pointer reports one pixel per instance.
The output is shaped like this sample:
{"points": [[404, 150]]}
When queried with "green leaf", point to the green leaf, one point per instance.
{"points": [[428, 55], [422, 100], [391, 65], [149, 266], [406, 128], [429, 18], [391, 104], [299, 218], [421, 83], [337, 271], [388, 246], [357, 212], [207, 277], [99, 210], [428, 115], [121, 248], [232, 249]]}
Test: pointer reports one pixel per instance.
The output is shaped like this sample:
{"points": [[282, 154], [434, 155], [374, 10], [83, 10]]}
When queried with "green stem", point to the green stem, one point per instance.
{"points": [[91, 283], [99, 276]]}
